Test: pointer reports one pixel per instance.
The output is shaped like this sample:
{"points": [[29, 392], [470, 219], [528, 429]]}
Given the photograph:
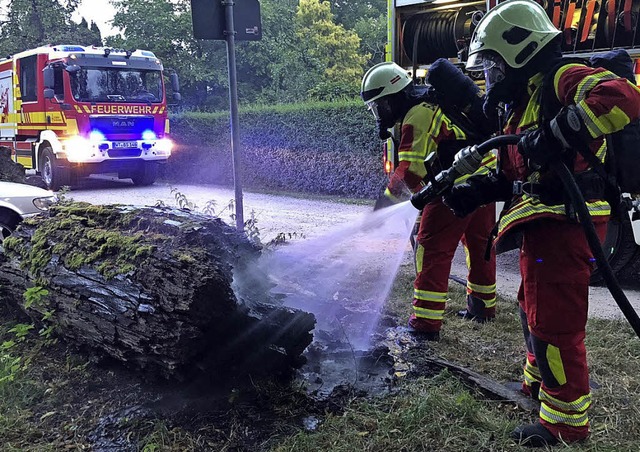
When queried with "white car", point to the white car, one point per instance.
{"points": [[18, 201]]}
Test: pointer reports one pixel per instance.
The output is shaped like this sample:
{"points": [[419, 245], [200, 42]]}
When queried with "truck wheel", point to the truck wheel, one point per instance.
{"points": [[53, 175], [146, 175], [8, 222], [619, 247]]}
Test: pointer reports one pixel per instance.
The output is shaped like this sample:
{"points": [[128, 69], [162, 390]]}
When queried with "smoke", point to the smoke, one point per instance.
{"points": [[344, 276]]}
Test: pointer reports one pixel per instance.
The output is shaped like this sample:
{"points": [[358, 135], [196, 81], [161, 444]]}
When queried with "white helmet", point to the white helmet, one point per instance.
{"points": [[380, 81], [515, 29], [383, 79]]}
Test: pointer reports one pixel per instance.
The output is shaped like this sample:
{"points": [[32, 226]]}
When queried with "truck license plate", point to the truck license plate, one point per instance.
{"points": [[125, 144]]}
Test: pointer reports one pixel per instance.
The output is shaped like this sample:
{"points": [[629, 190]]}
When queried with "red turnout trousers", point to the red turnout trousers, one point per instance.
{"points": [[556, 264], [438, 237]]}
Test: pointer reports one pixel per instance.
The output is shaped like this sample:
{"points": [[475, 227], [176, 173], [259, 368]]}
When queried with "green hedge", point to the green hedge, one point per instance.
{"points": [[324, 148]]}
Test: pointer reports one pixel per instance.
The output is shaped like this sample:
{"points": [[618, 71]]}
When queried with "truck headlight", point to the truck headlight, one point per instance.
{"points": [[76, 148], [45, 203], [164, 145]]}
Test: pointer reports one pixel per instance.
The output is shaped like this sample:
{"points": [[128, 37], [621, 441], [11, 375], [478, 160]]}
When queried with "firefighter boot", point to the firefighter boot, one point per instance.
{"points": [[421, 333], [534, 435], [529, 391], [476, 311]]}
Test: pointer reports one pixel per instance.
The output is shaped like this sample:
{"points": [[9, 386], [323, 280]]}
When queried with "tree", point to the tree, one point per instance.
{"points": [[368, 18], [33, 23], [349, 12], [373, 37], [330, 52], [165, 28]]}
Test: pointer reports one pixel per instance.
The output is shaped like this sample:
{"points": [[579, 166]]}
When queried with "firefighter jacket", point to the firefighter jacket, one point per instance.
{"points": [[606, 103], [425, 130]]}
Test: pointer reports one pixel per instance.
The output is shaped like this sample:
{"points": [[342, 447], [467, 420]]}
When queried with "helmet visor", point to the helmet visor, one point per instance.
{"points": [[492, 64], [380, 108]]}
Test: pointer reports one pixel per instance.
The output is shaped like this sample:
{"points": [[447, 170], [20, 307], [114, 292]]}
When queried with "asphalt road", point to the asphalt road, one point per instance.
{"points": [[301, 218]]}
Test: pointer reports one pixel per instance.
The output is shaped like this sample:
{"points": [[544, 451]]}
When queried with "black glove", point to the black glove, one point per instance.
{"points": [[383, 130], [477, 191], [539, 147], [548, 143]]}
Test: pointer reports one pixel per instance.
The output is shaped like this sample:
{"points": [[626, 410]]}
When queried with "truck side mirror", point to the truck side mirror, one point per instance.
{"points": [[47, 76], [175, 83], [49, 93], [175, 87]]}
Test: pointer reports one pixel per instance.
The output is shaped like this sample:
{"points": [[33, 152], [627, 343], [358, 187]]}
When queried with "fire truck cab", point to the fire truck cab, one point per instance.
{"points": [[69, 111], [421, 31]]}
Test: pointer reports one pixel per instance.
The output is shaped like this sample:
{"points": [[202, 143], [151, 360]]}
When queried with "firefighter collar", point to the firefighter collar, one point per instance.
{"points": [[534, 83]]}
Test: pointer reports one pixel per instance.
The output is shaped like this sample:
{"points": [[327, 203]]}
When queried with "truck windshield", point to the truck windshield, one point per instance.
{"points": [[116, 85]]}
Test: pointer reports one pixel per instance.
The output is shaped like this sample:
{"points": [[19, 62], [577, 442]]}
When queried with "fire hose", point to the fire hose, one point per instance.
{"points": [[468, 160]]}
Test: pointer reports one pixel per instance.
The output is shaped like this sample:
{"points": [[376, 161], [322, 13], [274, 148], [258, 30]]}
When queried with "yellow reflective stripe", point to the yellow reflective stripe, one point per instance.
{"points": [[457, 132], [409, 156], [532, 370], [532, 112], [555, 364], [589, 82], [529, 206], [580, 404], [480, 288], [530, 380], [615, 120], [602, 151], [480, 171], [389, 195], [436, 123], [610, 122], [559, 72], [590, 120], [489, 159], [419, 258], [489, 162], [557, 417], [490, 303], [431, 314], [426, 295], [467, 259]]}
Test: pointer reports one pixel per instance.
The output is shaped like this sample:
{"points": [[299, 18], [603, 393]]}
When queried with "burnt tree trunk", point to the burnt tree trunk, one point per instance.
{"points": [[152, 288]]}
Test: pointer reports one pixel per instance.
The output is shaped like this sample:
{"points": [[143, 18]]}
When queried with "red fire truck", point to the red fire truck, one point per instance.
{"points": [[421, 31], [68, 111]]}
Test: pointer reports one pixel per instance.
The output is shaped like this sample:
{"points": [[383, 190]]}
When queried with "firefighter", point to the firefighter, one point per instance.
{"points": [[515, 44], [392, 97]]}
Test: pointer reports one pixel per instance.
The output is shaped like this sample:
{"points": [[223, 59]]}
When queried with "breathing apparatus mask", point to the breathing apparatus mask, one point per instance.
{"points": [[503, 83], [383, 111]]}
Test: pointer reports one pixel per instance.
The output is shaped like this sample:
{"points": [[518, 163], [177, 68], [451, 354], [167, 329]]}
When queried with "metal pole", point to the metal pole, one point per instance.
{"points": [[233, 106]]}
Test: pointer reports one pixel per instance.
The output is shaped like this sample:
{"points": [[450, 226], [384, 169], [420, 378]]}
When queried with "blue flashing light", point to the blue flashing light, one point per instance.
{"points": [[148, 135], [69, 48], [539, 260], [96, 136]]}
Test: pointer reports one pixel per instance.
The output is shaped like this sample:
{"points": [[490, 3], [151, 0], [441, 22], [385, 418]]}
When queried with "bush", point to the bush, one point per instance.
{"points": [[323, 148]]}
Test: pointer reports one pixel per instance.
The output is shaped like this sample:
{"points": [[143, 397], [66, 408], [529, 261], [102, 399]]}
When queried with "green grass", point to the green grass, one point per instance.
{"points": [[441, 414]]}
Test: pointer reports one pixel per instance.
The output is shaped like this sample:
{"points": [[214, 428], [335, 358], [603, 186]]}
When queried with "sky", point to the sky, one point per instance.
{"points": [[99, 11]]}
